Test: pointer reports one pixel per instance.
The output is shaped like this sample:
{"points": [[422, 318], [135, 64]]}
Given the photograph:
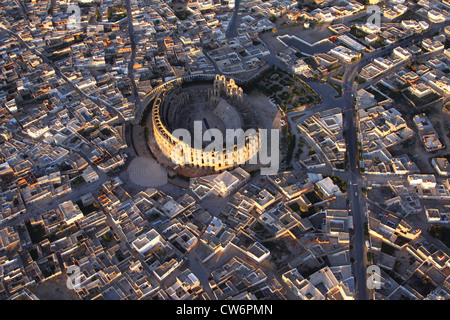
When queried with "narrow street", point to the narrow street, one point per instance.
{"points": [[133, 52]]}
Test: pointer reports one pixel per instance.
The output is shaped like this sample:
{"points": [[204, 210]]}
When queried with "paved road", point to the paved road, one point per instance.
{"points": [[346, 104], [357, 203], [357, 211], [354, 176], [232, 31], [356, 181]]}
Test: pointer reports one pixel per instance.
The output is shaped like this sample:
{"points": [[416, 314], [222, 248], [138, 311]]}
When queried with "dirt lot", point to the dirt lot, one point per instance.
{"points": [[55, 289]]}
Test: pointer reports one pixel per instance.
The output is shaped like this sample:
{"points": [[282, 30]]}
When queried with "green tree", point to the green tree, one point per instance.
{"points": [[303, 207], [109, 12], [107, 237], [435, 232], [98, 15], [364, 191]]}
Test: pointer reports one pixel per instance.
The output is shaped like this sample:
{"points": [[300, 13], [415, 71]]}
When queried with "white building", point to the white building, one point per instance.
{"points": [[442, 166], [89, 175], [400, 8], [370, 28], [214, 227], [258, 252], [71, 212], [146, 241], [436, 16], [225, 183], [420, 89], [11, 106], [432, 45], [402, 53], [300, 67], [344, 53], [351, 43], [36, 133], [425, 181], [328, 188], [424, 25], [433, 215]]}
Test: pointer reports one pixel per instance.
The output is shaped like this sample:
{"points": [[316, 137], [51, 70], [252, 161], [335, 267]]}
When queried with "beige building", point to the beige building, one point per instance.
{"points": [[70, 211], [441, 165], [328, 188]]}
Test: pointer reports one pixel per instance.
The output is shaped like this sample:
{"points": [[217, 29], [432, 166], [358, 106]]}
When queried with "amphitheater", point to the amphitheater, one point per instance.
{"points": [[217, 103]]}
